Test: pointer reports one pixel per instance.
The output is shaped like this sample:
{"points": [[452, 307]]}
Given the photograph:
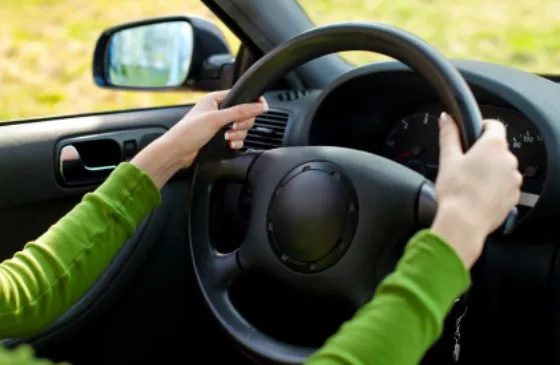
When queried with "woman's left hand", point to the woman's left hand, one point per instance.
{"points": [[179, 147]]}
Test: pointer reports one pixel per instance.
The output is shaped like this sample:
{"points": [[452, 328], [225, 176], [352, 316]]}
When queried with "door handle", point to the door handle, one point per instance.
{"points": [[90, 159], [74, 171]]}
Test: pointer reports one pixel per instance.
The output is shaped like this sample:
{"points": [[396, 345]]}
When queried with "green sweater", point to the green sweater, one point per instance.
{"points": [[50, 274]]}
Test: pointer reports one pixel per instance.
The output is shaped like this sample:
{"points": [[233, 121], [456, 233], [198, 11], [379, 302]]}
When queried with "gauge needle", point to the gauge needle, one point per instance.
{"points": [[414, 151], [403, 156]]}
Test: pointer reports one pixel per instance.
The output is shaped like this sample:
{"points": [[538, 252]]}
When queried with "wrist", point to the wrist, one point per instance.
{"points": [[159, 160], [461, 230]]}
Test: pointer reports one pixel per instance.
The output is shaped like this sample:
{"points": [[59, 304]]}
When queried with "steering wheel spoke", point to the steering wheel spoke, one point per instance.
{"points": [[234, 168], [427, 205], [215, 270], [223, 269]]}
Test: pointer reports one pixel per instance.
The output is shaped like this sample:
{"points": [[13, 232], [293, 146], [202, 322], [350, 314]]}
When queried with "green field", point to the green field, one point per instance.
{"points": [[139, 76], [46, 45]]}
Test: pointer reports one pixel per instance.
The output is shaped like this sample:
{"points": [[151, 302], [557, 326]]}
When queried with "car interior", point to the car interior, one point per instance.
{"points": [[258, 257]]}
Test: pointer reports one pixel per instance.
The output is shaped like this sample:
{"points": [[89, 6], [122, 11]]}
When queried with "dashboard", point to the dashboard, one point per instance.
{"points": [[395, 115], [388, 110], [412, 140]]}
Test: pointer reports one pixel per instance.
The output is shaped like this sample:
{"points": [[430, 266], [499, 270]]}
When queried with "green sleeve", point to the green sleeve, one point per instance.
{"points": [[406, 315], [50, 274], [23, 355]]}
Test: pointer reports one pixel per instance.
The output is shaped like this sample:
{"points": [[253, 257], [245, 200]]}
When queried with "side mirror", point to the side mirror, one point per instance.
{"points": [[170, 53]]}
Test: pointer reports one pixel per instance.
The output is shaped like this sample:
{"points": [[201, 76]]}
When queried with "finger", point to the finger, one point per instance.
{"points": [[518, 179], [263, 101], [218, 96], [236, 145], [233, 136], [514, 162], [449, 139], [244, 124], [494, 129], [237, 113], [249, 123], [516, 197]]}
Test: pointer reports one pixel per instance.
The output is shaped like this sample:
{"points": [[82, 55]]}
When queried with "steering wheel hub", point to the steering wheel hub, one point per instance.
{"points": [[312, 217]]}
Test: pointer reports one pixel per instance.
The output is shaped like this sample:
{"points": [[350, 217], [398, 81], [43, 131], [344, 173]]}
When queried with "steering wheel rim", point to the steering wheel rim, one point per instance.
{"points": [[214, 165], [379, 38]]}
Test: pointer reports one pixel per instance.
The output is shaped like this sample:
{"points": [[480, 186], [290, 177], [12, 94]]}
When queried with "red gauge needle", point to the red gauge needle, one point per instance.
{"points": [[403, 156], [414, 151]]}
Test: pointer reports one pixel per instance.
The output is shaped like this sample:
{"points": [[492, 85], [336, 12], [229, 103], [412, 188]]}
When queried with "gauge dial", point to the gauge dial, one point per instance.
{"points": [[528, 147], [413, 142], [410, 142]]}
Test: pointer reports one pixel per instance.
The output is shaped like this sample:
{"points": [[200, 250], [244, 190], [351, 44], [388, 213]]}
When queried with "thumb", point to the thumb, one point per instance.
{"points": [[238, 113], [449, 139]]}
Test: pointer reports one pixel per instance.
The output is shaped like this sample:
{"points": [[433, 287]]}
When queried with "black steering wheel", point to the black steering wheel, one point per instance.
{"points": [[322, 217]]}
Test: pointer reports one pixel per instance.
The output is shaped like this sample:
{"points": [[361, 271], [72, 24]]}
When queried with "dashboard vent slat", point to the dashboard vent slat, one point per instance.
{"points": [[268, 131]]}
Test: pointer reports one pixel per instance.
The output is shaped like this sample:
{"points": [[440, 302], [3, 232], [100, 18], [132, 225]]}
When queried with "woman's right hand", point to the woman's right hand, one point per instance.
{"points": [[475, 190]]}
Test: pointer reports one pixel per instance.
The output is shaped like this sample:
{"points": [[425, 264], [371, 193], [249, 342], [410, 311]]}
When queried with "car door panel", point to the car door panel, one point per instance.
{"points": [[27, 150], [34, 196], [115, 278], [21, 224], [158, 316]]}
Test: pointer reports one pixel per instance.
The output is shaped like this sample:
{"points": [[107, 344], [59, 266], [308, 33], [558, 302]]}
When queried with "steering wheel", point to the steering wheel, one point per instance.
{"points": [[322, 217]]}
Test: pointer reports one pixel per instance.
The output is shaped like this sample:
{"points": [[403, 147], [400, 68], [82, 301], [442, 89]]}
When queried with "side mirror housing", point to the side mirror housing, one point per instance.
{"points": [[166, 53]]}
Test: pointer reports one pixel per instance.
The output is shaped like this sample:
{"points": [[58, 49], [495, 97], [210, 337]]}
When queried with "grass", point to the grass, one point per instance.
{"points": [[46, 45]]}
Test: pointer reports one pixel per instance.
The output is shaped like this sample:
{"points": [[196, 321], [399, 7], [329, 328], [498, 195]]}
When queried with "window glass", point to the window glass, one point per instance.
{"points": [[520, 33], [46, 49]]}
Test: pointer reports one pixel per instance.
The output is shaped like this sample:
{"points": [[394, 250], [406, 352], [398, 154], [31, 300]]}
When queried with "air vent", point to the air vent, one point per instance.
{"points": [[268, 131], [292, 95]]}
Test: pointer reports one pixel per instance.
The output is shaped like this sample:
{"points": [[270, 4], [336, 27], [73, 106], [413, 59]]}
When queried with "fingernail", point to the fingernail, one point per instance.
{"points": [[227, 136], [265, 105], [234, 125], [444, 119], [236, 144]]}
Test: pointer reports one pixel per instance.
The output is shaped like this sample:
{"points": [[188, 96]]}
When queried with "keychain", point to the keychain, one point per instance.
{"points": [[457, 334]]}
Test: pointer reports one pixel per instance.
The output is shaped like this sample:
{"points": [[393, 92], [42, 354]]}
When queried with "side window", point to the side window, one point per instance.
{"points": [[46, 51]]}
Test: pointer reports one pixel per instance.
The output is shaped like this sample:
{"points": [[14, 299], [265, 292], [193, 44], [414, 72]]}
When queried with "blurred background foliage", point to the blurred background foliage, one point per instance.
{"points": [[46, 45]]}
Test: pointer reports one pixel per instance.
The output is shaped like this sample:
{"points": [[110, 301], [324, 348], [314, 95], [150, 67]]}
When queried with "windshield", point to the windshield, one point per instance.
{"points": [[520, 33]]}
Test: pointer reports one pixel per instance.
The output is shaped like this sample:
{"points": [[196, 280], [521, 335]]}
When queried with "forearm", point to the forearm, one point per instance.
{"points": [[406, 315], [50, 274], [454, 226], [158, 161]]}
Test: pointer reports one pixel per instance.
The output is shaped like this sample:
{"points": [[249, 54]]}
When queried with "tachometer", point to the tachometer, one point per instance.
{"points": [[413, 142]]}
